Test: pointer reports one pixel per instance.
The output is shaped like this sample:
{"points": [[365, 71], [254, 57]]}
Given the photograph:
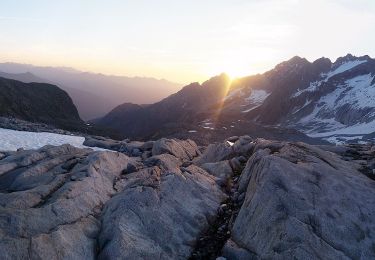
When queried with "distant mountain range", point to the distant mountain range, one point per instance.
{"points": [[93, 94], [335, 101], [330, 100], [298, 100]]}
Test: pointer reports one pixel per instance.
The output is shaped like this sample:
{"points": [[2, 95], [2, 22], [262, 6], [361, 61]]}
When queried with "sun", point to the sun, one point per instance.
{"points": [[234, 69]]}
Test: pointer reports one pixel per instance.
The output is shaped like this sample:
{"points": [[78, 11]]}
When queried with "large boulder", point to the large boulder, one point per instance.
{"points": [[215, 152], [50, 200], [105, 143], [183, 149], [305, 203], [159, 214], [221, 170]]}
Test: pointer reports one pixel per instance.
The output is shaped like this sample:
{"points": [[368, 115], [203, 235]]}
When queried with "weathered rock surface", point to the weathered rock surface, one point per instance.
{"points": [[302, 202], [98, 141], [159, 214], [215, 153], [50, 199], [185, 150], [222, 170], [247, 199], [133, 148]]}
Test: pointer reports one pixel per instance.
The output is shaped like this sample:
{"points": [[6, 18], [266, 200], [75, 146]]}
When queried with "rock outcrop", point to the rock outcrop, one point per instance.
{"points": [[69, 203], [242, 199], [38, 102], [159, 214], [186, 150], [302, 202], [50, 200]]}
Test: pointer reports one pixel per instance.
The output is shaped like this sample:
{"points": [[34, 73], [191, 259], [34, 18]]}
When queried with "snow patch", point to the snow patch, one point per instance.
{"points": [[11, 140], [358, 129], [307, 102], [316, 84], [250, 109], [344, 67], [257, 96], [208, 127], [342, 139], [357, 92], [233, 93], [313, 87], [230, 143]]}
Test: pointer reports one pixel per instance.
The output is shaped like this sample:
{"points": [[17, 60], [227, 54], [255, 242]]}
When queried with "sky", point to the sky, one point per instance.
{"points": [[182, 41]]}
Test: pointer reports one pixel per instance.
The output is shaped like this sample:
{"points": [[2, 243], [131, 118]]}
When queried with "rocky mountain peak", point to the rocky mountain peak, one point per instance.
{"points": [[296, 61], [350, 58], [218, 81], [323, 64]]}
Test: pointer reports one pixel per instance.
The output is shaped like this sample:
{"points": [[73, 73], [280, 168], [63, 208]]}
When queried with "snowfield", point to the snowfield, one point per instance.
{"points": [[314, 86], [257, 97], [11, 140], [344, 67]]}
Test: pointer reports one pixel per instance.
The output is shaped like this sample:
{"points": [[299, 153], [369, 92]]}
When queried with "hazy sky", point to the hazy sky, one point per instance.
{"points": [[182, 41]]}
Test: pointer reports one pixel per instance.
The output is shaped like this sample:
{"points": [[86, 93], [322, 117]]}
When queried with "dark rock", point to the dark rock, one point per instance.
{"points": [[38, 102], [235, 164], [232, 139]]}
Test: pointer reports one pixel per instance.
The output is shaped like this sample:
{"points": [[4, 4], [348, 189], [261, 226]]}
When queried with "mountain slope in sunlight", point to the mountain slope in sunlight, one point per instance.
{"points": [[183, 108]]}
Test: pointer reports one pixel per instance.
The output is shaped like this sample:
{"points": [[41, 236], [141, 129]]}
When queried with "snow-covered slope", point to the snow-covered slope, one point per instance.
{"points": [[340, 104], [11, 140], [246, 99], [335, 101]]}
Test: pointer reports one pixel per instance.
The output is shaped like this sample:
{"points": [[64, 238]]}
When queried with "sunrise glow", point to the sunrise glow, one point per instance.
{"points": [[181, 42]]}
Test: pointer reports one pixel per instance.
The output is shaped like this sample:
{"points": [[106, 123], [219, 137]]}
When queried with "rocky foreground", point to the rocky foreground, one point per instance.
{"points": [[170, 199]]}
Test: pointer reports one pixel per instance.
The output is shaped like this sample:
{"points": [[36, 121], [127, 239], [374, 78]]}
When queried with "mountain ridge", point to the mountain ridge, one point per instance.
{"points": [[106, 90], [38, 102], [271, 98]]}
